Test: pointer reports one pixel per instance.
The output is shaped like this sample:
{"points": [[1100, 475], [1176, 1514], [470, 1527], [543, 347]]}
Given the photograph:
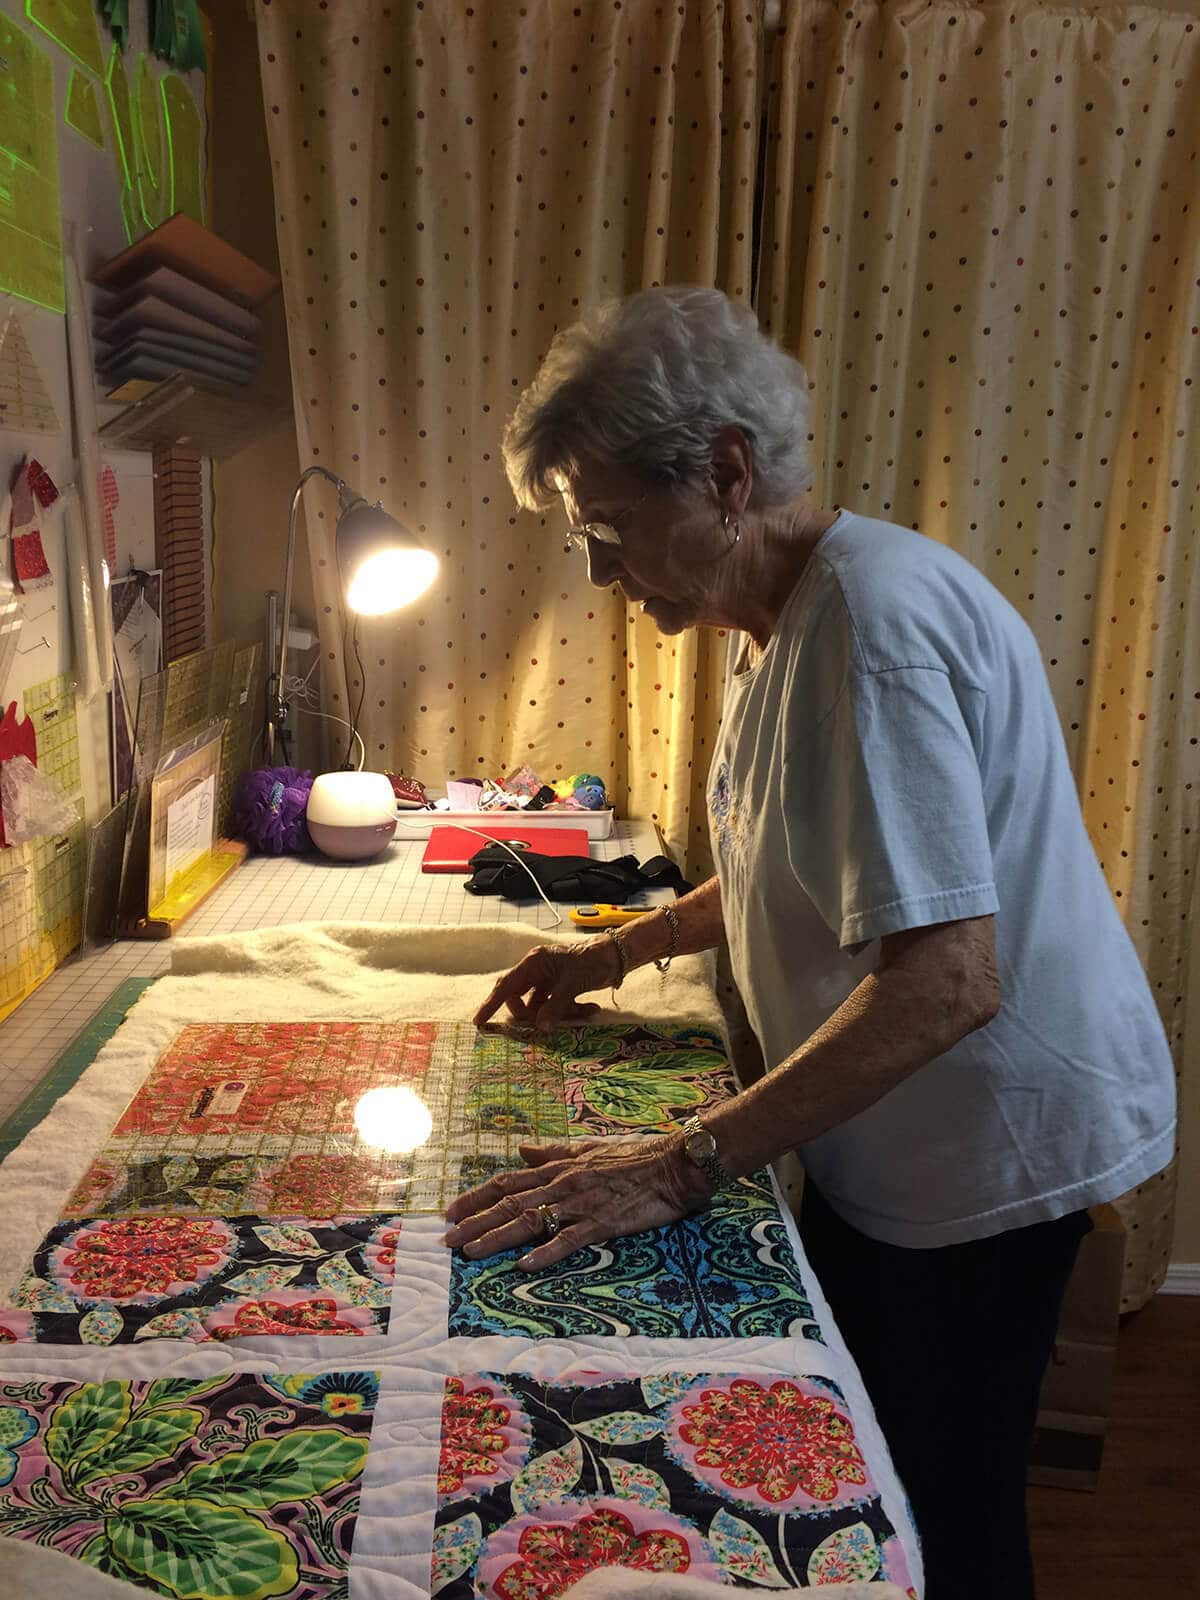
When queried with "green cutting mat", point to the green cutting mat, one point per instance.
{"points": [[71, 1065]]}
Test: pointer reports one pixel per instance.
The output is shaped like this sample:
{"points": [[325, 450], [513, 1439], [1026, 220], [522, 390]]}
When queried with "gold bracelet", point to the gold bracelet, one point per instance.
{"points": [[663, 962]]}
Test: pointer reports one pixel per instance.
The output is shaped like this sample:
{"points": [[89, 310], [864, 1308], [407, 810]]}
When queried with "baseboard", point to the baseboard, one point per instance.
{"points": [[1182, 1278]]}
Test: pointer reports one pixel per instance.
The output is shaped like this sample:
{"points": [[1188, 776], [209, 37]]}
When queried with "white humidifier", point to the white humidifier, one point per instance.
{"points": [[351, 815]]}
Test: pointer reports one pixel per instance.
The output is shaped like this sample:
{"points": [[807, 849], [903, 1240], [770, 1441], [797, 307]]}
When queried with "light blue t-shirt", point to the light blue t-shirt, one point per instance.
{"points": [[895, 760]]}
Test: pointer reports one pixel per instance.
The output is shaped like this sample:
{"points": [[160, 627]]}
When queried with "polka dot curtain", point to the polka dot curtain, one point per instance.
{"points": [[982, 235], [454, 183]]}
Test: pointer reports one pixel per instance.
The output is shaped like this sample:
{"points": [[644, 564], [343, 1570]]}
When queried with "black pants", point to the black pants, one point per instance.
{"points": [[952, 1345]]}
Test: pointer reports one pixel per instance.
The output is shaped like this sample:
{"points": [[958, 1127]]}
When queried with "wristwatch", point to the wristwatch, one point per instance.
{"points": [[700, 1148]]}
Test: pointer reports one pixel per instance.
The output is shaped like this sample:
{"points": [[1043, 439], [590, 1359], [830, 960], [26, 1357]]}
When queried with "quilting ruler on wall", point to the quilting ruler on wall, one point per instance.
{"points": [[42, 881]]}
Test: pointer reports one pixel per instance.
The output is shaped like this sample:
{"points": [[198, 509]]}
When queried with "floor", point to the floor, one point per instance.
{"points": [[266, 891], [1138, 1536]]}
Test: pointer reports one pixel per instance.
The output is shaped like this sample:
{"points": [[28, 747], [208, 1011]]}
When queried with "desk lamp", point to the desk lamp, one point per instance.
{"points": [[381, 567]]}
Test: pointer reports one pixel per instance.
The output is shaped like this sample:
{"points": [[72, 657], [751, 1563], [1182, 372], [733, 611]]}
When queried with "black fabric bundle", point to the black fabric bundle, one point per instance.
{"points": [[494, 871]]}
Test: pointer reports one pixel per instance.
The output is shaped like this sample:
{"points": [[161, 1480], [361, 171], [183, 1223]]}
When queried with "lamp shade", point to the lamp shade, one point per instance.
{"points": [[382, 565]]}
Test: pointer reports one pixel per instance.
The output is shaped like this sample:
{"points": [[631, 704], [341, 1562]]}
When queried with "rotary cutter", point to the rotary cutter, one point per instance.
{"points": [[606, 916]]}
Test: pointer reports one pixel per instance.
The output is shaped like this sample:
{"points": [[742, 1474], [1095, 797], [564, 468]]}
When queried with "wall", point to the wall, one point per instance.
{"points": [[96, 197], [252, 491]]}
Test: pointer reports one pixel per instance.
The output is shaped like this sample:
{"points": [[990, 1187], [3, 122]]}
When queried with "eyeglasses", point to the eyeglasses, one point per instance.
{"points": [[602, 532]]}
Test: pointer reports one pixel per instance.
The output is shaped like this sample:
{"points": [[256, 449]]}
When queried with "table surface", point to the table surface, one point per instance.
{"points": [[265, 892]]}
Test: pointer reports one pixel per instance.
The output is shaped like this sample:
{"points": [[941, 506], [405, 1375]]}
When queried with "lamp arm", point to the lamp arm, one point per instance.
{"points": [[276, 709]]}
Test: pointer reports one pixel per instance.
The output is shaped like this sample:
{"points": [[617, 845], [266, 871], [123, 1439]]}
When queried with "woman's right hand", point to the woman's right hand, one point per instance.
{"points": [[544, 986]]}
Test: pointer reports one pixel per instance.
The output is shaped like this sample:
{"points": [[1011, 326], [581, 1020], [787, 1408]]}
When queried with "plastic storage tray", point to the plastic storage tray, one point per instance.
{"points": [[417, 824]]}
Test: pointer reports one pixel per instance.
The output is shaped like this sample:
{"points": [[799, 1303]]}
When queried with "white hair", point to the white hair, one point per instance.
{"points": [[646, 383]]}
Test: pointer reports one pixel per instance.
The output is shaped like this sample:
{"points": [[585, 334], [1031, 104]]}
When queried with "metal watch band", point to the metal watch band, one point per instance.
{"points": [[709, 1165]]}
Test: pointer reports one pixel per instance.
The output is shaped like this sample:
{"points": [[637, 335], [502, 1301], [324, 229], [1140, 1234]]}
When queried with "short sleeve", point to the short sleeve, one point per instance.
{"points": [[884, 811]]}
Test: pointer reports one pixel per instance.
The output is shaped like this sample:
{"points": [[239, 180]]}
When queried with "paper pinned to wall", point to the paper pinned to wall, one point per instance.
{"points": [[31, 486], [25, 402], [110, 499]]}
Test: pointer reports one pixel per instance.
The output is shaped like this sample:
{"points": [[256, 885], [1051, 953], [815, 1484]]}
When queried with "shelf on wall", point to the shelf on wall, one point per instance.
{"points": [[184, 411], [183, 343], [187, 246]]}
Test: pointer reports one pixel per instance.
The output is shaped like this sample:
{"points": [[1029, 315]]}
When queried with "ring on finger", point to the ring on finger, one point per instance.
{"points": [[550, 1220]]}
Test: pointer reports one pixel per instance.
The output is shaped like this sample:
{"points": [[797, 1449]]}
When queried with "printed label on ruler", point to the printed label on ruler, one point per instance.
{"points": [[221, 1099], [189, 828]]}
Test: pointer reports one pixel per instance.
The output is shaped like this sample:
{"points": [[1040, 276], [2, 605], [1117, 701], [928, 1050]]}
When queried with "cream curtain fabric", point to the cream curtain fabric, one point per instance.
{"points": [[982, 236], [454, 183]]}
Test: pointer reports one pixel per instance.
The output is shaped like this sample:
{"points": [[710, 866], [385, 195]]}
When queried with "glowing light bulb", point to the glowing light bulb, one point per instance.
{"points": [[396, 1120], [389, 580]]}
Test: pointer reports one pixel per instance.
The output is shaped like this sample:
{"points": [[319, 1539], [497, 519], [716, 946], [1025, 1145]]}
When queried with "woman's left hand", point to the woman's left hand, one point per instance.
{"points": [[600, 1189]]}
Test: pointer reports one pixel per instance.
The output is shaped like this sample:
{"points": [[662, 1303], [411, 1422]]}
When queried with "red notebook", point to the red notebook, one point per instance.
{"points": [[450, 849]]}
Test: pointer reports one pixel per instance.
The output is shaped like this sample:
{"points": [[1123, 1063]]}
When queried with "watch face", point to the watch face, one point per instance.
{"points": [[700, 1146]]}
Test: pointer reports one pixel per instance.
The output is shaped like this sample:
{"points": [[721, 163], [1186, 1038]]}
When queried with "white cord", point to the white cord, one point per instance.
{"points": [[300, 685], [308, 712], [404, 823]]}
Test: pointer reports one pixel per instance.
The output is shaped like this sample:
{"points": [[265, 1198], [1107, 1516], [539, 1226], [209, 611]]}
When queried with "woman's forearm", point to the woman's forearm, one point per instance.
{"points": [[938, 986], [700, 927]]}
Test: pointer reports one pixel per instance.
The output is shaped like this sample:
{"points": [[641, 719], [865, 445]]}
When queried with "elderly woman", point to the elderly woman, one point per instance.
{"points": [[963, 1047]]}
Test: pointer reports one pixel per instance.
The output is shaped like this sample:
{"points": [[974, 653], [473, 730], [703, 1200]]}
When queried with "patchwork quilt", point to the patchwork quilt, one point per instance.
{"points": [[240, 1362]]}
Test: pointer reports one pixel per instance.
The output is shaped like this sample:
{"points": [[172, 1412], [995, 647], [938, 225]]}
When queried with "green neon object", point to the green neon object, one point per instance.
{"points": [[72, 25], [117, 86], [153, 182], [121, 116], [30, 211], [185, 141], [20, 85], [83, 110]]}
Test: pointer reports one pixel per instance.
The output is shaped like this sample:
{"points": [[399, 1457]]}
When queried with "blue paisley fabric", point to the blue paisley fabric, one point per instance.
{"points": [[728, 1271]]}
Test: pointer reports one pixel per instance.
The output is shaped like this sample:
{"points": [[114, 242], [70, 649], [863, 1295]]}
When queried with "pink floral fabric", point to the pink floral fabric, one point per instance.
{"points": [[136, 1260], [485, 1436], [782, 1444], [537, 1557]]}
